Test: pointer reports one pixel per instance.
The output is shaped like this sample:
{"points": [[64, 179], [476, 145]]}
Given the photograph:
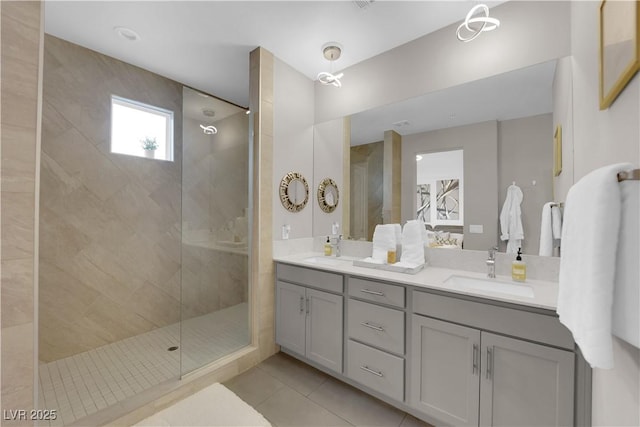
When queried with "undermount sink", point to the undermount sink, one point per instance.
{"points": [[490, 285], [326, 260]]}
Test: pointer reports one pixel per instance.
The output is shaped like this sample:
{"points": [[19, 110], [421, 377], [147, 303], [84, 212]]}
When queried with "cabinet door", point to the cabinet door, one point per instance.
{"points": [[290, 316], [324, 329], [445, 366], [525, 384]]}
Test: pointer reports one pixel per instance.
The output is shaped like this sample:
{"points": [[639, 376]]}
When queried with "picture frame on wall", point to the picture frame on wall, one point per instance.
{"points": [[557, 151], [619, 47]]}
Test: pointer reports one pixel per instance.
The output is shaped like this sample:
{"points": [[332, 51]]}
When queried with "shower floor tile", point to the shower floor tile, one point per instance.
{"points": [[85, 383]]}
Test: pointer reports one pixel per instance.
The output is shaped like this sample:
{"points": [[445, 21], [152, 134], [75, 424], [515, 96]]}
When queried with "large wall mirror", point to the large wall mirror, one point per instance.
{"points": [[461, 148]]}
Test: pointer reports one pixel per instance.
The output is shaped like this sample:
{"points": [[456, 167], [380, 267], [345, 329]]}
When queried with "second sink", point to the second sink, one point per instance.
{"points": [[490, 285]]}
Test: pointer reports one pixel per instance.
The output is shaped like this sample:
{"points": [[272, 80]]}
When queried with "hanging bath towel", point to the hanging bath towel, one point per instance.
{"points": [[511, 221]]}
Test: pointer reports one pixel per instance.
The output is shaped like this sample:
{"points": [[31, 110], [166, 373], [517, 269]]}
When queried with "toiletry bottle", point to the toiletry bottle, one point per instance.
{"points": [[391, 255], [327, 247], [519, 268]]}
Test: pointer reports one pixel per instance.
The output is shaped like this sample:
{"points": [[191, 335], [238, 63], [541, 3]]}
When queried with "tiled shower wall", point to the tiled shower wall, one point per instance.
{"points": [[20, 24], [109, 223]]}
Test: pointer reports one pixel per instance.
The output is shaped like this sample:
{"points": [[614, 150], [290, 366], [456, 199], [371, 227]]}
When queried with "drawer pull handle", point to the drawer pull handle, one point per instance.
{"points": [[371, 371], [367, 291], [369, 325]]}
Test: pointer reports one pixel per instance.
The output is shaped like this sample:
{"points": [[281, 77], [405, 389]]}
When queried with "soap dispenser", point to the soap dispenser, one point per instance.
{"points": [[519, 268], [327, 247]]}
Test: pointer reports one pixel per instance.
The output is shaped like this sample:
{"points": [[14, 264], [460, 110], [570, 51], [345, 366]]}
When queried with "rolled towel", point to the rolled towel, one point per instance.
{"points": [[384, 238], [412, 243]]}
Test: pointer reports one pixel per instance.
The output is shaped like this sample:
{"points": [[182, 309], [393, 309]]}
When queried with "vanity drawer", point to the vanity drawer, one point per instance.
{"points": [[376, 291], [379, 326], [376, 369], [314, 278], [528, 325]]}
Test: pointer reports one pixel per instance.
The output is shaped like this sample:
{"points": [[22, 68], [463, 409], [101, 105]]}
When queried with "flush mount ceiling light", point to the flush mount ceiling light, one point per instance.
{"points": [[209, 130], [127, 33], [474, 25], [331, 51]]}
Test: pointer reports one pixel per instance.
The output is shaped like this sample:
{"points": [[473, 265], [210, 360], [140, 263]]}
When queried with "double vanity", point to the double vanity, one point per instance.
{"points": [[451, 347]]}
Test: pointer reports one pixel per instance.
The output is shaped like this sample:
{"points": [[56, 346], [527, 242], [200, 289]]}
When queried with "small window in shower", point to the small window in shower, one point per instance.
{"points": [[141, 130]]}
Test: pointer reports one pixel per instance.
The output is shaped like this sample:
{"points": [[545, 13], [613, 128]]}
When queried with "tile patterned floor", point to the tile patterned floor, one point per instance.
{"points": [[290, 393], [85, 383]]}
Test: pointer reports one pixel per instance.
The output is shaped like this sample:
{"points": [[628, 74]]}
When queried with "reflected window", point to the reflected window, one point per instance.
{"points": [[141, 130]]}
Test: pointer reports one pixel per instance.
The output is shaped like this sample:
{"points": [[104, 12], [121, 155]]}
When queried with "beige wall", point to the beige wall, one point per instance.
{"points": [[20, 26], [293, 145], [563, 116], [480, 144], [601, 138], [525, 154], [328, 162], [109, 223]]}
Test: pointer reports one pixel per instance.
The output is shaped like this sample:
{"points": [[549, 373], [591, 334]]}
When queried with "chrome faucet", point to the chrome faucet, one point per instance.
{"points": [[491, 262], [335, 244]]}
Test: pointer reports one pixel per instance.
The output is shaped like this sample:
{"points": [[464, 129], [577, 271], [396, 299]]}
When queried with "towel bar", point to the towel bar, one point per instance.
{"points": [[632, 175]]}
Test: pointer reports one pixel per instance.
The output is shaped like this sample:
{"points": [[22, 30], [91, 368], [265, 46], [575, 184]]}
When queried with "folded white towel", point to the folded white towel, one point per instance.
{"points": [[510, 219], [384, 238], [546, 231], [626, 288], [587, 265], [412, 243]]}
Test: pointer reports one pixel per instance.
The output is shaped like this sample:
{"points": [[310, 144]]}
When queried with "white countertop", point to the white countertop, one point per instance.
{"points": [[545, 294]]}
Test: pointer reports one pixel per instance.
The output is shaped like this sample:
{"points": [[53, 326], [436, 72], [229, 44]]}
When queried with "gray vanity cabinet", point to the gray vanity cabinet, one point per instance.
{"points": [[460, 373], [309, 321], [291, 316], [525, 384], [445, 362]]}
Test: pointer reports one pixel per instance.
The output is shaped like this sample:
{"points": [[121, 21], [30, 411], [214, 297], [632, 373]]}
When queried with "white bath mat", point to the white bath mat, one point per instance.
{"points": [[215, 405]]}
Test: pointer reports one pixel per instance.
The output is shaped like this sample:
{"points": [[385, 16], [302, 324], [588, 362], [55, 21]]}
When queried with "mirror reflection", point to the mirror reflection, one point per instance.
{"points": [[461, 149]]}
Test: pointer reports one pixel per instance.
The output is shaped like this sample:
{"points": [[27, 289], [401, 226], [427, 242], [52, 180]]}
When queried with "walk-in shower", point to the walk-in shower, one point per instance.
{"points": [[143, 257]]}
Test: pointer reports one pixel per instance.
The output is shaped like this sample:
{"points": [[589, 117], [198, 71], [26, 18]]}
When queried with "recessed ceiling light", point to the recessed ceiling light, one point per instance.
{"points": [[127, 33], [418, 157]]}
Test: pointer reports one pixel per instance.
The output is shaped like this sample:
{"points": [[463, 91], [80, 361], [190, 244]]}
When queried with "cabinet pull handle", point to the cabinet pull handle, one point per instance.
{"points": [[369, 325], [489, 363], [367, 291], [301, 304], [308, 306], [474, 369], [371, 371]]}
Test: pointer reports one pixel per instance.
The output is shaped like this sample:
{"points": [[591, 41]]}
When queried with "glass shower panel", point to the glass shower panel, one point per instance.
{"points": [[215, 230]]}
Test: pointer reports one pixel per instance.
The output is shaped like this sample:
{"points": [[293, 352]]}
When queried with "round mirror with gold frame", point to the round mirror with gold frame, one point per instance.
{"points": [[294, 192], [328, 195]]}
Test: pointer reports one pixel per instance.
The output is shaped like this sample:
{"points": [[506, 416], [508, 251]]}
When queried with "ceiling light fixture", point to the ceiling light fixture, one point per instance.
{"points": [[331, 51], [471, 28], [209, 130], [418, 157], [127, 33]]}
